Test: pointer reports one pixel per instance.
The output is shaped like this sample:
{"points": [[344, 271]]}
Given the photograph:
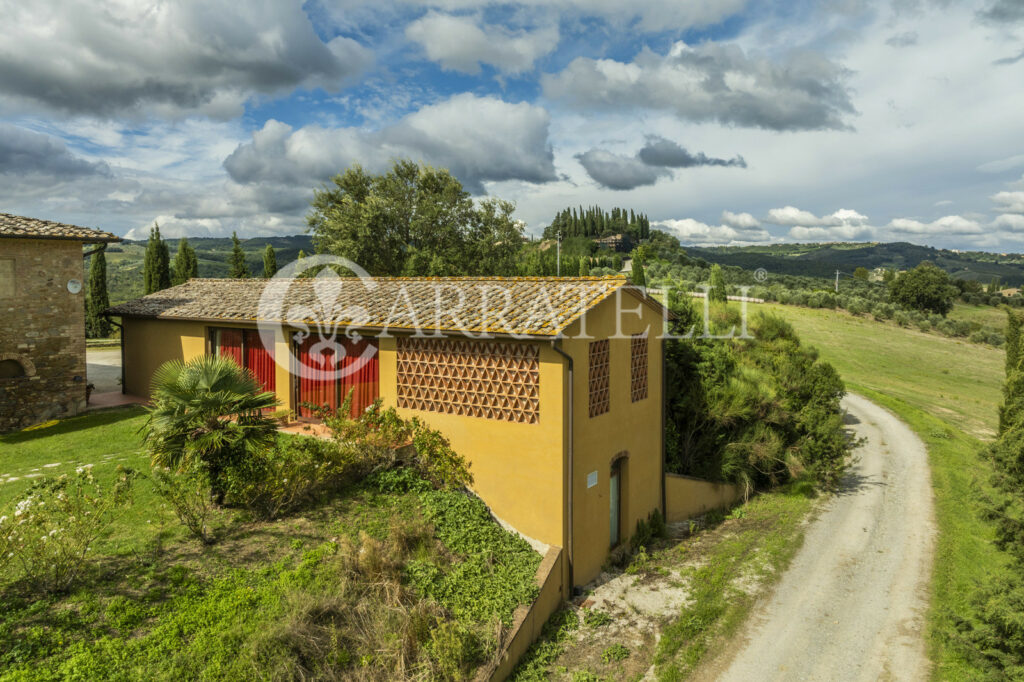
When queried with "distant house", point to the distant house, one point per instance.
{"points": [[559, 411], [42, 337], [616, 242]]}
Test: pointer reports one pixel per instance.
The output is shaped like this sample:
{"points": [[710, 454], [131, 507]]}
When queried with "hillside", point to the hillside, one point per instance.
{"points": [[822, 260], [124, 260]]}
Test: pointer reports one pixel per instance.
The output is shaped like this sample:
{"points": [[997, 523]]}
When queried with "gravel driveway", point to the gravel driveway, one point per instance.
{"points": [[853, 602], [103, 368]]}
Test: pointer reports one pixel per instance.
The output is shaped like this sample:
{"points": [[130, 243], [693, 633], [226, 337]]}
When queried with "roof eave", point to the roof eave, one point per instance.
{"points": [[84, 240], [390, 330]]}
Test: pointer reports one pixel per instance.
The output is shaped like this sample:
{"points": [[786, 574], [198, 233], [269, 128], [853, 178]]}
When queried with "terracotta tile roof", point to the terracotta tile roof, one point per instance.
{"points": [[33, 228], [528, 306]]}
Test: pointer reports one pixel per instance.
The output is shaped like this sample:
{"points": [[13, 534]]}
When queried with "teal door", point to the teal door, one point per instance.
{"points": [[613, 505]]}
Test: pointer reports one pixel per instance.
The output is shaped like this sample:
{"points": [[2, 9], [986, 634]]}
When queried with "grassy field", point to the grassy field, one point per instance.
{"points": [[985, 315], [957, 381], [947, 392], [381, 580]]}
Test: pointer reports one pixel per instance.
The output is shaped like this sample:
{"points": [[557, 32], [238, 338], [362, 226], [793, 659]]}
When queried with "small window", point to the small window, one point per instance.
{"points": [[599, 393], [11, 369], [7, 278], [638, 367]]}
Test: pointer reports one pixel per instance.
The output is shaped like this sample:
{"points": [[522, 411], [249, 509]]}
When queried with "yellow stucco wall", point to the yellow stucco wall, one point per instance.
{"points": [[150, 343], [633, 428], [687, 497], [518, 469]]}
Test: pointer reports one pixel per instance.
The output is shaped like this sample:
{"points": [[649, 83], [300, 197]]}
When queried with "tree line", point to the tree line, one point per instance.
{"points": [[596, 222]]}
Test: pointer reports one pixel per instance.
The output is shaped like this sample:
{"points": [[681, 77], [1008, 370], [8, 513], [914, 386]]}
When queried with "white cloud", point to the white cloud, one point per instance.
{"points": [[801, 90], [690, 231], [742, 221], [1009, 222], [945, 226], [831, 234], [793, 216], [648, 15], [478, 139], [460, 43], [1009, 202], [116, 57]]}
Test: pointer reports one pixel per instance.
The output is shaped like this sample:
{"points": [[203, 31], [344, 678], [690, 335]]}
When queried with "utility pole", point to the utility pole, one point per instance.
{"points": [[837, 281], [558, 255]]}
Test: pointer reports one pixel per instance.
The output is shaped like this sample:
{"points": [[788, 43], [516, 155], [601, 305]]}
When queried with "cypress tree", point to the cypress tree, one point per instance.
{"points": [[1012, 340], [638, 277], [186, 264], [718, 291], [584, 267], [269, 262], [157, 265], [96, 325], [237, 267]]}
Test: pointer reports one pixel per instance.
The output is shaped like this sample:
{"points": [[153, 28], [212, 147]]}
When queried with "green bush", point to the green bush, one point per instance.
{"points": [[756, 413], [296, 472], [188, 493], [46, 536]]}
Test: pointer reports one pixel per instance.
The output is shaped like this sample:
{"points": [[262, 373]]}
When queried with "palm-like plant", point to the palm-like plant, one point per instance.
{"points": [[207, 412]]}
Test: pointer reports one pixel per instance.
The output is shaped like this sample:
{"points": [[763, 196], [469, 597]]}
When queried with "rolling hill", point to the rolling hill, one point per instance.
{"points": [[822, 260]]}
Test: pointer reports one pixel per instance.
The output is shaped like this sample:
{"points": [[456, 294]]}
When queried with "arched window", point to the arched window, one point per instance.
{"points": [[10, 369]]}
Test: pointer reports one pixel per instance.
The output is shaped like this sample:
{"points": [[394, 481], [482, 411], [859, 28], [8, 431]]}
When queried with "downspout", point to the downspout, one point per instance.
{"points": [[120, 327], [569, 549], [664, 407]]}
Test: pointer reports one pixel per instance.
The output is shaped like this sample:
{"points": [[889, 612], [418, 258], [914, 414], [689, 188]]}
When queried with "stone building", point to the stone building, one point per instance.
{"points": [[42, 319]]}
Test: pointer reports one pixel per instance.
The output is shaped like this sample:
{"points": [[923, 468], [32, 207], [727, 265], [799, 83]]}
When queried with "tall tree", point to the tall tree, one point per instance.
{"points": [[269, 262], [157, 264], [926, 288], [637, 276], [186, 264], [96, 325], [414, 220], [718, 292], [237, 267]]}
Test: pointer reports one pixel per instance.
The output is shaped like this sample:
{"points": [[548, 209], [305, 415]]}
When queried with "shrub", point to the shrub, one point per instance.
{"points": [[45, 539], [295, 473], [188, 493], [189, 422]]}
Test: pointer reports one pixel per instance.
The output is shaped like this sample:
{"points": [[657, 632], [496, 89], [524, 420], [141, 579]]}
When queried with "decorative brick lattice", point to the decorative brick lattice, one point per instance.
{"points": [[489, 379], [599, 393], [638, 367]]}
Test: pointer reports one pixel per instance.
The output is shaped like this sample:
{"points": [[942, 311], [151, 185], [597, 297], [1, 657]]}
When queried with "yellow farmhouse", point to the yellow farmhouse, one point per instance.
{"points": [[552, 388]]}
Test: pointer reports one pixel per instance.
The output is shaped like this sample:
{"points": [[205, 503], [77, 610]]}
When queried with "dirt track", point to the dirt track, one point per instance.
{"points": [[852, 604]]}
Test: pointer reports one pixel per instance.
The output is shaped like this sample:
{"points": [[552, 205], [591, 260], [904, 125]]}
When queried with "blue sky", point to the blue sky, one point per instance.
{"points": [[727, 121]]}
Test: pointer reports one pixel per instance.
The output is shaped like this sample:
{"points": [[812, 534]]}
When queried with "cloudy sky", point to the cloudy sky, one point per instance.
{"points": [[727, 121]]}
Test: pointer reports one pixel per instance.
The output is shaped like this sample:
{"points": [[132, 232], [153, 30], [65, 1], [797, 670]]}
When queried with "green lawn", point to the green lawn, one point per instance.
{"points": [[947, 392], [985, 315], [957, 381], [375, 580]]}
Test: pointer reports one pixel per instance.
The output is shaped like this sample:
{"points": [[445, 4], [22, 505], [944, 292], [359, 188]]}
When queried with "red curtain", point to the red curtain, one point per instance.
{"points": [[259, 360], [360, 374], [229, 345]]}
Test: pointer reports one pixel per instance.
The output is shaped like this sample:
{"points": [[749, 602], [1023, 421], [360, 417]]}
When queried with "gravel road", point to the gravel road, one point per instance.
{"points": [[851, 606]]}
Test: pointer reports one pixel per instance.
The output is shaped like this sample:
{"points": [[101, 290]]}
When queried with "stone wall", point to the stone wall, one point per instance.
{"points": [[42, 328]]}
